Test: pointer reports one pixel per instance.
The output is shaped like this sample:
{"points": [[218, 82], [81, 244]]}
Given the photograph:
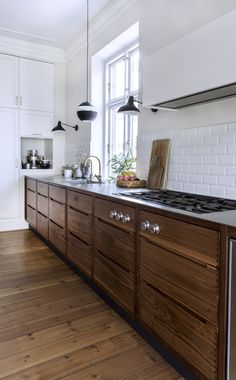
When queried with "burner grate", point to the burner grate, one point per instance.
{"points": [[184, 201]]}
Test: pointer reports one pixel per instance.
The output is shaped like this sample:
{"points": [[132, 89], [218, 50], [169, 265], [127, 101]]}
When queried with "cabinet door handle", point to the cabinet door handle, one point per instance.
{"points": [[154, 228], [21, 100], [145, 225], [17, 100]]}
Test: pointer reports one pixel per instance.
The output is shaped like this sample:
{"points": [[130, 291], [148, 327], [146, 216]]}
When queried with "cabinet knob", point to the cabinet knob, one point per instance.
{"points": [[126, 218], [119, 216], [145, 225], [113, 214], [154, 228]]}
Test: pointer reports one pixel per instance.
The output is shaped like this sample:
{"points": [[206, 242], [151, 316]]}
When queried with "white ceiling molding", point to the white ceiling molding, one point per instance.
{"points": [[99, 24], [31, 50]]}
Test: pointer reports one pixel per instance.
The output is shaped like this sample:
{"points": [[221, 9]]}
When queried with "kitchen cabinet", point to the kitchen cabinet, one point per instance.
{"points": [[42, 209], [9, 81], [168, 274], [31, 196], [57, 218], [36, 85], [36, 124], [114, 263], [79, 227], [9, 182], [179, 288]]}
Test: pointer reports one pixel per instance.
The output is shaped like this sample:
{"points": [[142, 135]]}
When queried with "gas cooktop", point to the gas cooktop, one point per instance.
{"points": [[199, 204]]}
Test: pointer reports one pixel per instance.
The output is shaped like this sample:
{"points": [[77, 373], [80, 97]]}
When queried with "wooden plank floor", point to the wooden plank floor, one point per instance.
{"points": [[53, 326]]}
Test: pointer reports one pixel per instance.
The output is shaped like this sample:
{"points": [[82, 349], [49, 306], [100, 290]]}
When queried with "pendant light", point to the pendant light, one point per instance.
{"points": [[86, 111]]}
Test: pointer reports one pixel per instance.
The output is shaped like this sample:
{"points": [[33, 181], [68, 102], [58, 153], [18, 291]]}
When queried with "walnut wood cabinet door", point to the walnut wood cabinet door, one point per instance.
{"points": [[79, 231], [57, 218], [178, 289], [114, 264]]}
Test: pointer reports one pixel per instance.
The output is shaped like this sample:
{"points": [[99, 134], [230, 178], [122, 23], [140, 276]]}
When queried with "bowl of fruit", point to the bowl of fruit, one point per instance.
{"points": [[129, 179]]}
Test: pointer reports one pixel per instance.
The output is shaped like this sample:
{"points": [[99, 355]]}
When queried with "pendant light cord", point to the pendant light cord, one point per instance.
{"points": [[87, 60]]}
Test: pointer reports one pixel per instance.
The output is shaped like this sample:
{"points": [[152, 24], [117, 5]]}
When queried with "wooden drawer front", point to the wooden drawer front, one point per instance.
{"points": [[193, 285], [42, 225], [117, 244], [42, 188], [190, 337], [117, 282], [57, 194], [31, 216], [80, 253], [79, 224], [31, 198], [42, 204], [80, 201], [104, 207], [57, 236], [31, 184], [194, 242], [57, 213]]}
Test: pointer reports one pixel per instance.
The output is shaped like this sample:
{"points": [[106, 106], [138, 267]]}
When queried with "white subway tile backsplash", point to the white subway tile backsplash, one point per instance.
{"points": [[218, 170], [211, 140], [202, 160], [218, 149], [210, 179], [217, 191], [226, 181]]}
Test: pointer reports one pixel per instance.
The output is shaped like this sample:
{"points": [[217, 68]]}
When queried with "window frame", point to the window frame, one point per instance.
{"points": [[110, 104]]}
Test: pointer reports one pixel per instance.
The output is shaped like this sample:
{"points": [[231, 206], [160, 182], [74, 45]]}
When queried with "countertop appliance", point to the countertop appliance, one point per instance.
{"points": [[199, 204]]}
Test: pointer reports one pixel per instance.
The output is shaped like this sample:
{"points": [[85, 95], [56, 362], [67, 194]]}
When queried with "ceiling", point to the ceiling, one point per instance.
{"points": [[53, 22], [60, 22]]}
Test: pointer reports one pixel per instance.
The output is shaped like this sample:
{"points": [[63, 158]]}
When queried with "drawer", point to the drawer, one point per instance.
{"points": [[117, 282], [122, 243], [79, 224], [79, 253], [57, 194], [190, 284], [31, 198], [57, 236], [42, 204], [42, 225], [81, 202], [194, 242], [103, 209], [57, 213], [42, 188], [193, 339], [31, 216], [31, 184]]}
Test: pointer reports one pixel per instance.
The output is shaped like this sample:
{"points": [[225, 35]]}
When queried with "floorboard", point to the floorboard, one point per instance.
{"points": [[53, 326]]}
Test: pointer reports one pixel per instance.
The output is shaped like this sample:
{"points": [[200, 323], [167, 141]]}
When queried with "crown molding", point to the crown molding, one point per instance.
{"points": [[31, 50], [100, 24]]}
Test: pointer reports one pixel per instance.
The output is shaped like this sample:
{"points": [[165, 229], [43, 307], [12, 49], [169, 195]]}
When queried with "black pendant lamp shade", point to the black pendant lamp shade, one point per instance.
{"points": [[129, 108], [59, 127], [86, 111]]}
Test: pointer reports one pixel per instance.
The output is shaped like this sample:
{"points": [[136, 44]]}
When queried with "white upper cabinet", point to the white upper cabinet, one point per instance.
{"points": [[36, 124], [8, 81], [203, 60], [36, 85]]}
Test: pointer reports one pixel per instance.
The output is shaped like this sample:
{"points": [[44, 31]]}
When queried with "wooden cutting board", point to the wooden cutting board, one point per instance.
{"points": [[158, 164]]}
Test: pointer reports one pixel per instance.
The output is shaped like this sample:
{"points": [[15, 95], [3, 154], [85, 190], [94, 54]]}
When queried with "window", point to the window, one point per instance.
{"points": [[122, 77]]}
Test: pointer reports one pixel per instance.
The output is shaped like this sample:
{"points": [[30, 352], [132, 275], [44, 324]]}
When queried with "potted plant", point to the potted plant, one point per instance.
{"points": [[123, 166]]}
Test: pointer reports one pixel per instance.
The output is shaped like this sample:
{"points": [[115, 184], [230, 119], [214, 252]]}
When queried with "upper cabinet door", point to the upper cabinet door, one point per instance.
{"points": [[8, 80], [36, 85]]}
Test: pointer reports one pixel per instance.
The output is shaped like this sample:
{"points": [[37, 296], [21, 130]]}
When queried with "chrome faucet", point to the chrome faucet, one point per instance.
{"points": [[99, 175]]}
